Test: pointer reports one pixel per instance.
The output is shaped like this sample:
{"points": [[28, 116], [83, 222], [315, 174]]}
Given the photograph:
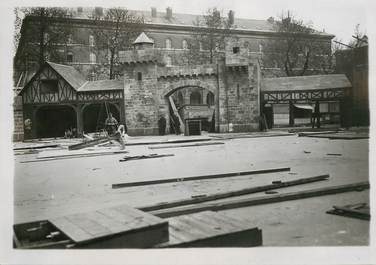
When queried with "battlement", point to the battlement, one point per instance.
{"points": [[187, 71]]}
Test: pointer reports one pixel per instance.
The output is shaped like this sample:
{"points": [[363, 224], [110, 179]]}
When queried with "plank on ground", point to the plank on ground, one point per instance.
{"points": [[213, 176], [223, 195], [91, 227], [186, 145], [238, 203], [210, 229]]}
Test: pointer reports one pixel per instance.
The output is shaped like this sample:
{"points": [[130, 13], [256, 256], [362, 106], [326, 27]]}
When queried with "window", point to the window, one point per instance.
{"points": [[260, 48], [69, 57], [210, 99], [195, 98], [184, 44], [139, 76], [46, 37], [180, 99], [70, 39], [91, 40], [168, 44], [79, 9], [235, 49], [237, 92], [93, 58], [201, 46], [48, 86], [168, 61]]}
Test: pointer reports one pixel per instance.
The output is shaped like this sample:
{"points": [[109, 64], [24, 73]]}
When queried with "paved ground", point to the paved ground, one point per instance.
{"points": [[59, 187]]}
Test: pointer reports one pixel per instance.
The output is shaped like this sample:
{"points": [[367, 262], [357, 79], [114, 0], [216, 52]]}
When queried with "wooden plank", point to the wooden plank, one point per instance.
{"points": [[210, 229], [213, 176], [71, 156], [238, 203], [37, 147], [223, 195], [190, 145], [111, 224], [140, 157], [89, 143]]}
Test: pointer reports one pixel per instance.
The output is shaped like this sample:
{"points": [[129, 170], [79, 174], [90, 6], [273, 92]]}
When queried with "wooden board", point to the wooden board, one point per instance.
{"points": [[213, 176], [211, 229], [222, 195], [121, 222], [238, 203], [186, 145]]}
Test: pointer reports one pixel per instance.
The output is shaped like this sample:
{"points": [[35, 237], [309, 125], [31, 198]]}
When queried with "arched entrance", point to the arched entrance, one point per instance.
{"points": [[94, 116], [53, 121]]}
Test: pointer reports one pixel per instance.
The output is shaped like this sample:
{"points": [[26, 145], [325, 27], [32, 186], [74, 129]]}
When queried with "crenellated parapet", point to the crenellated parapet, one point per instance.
{"points": [[140, 56], [185, 71]]}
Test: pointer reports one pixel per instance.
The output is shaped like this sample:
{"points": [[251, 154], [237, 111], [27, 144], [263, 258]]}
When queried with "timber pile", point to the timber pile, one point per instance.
{"points": [[139, 157], [190, 145], [338, 135]]}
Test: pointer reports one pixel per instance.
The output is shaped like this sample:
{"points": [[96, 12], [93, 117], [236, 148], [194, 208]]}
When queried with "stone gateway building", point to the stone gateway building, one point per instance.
{"points": [[157, 89]]}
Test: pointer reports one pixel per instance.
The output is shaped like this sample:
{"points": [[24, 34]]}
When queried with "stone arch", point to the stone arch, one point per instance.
{"points": [[175, 85]]}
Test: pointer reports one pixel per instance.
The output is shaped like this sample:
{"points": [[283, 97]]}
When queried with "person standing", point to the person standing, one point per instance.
{"points": [[111, 124], [316, 116]]}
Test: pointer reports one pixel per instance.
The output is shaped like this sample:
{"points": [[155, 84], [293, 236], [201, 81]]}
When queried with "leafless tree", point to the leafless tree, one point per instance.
{"points": [[294, 50], [212, 31], [114, 31], [41, 33]]}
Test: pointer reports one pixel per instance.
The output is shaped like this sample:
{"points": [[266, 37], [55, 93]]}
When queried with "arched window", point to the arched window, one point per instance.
{"points": [[46, 37], [180, 99], [91, 40], [168, 44], [69, 57], [93, 58], [184, 45], [195, 98], [210, 99], [260, 48], [168, 61], [70, 39]]}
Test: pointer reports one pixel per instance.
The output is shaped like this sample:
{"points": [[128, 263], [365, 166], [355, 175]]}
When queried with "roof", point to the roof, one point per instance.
{"points": [[143, 38], [179, 19], [311, 82], [69, 73], [102, 85]]}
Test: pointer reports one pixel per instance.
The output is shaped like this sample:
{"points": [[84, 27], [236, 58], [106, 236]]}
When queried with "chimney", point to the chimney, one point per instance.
{"points": [[153, 12], [168, 12], [231, 17]]}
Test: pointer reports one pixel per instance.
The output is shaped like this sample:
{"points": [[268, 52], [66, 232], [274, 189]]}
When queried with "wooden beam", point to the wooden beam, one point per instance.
{"points": [[128, 158], [223, 175], [238, 203], [241, 192], [186, 145]]}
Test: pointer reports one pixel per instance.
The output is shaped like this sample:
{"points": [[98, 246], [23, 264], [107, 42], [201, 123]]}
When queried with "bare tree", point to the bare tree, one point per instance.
{"points": [[41, 33], [211, 34], [114, 31], [359, 38], [294, 51]]}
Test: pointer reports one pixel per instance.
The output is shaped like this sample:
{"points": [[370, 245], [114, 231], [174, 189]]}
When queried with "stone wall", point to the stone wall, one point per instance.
{"points": [[18, 130]]}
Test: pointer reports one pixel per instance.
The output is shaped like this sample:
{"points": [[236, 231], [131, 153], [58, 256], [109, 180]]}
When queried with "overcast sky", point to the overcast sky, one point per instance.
{"points": [[338, 17]]}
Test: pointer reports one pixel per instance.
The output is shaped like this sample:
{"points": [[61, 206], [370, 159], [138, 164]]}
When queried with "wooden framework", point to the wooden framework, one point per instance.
{"points": [[281, 97], [33, 98]]}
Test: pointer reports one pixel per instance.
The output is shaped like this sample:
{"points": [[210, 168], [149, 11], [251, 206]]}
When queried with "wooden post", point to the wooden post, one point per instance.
{"points": [[291, 113]]}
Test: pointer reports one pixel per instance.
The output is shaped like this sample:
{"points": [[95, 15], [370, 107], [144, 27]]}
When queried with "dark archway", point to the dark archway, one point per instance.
{"points": [[210, 99], [94, 116], [195, 98], [53, 121]]}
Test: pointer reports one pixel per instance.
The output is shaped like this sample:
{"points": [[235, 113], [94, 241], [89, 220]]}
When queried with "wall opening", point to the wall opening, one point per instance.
{"points": [[53, 121], [95, 115]]}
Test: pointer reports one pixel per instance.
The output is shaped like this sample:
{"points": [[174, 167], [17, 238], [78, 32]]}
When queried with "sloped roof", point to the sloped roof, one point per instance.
{"points": [[143, 38], [312, 82], [101, 85], [180, 19], [70, 74]]}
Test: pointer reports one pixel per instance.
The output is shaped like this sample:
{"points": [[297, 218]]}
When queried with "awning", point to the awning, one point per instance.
{"points": [[304, 106]]}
